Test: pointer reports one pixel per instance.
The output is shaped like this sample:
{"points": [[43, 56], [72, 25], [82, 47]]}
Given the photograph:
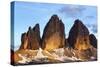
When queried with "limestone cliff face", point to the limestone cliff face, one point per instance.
{"points": [[31, 39], [54, 34], [93, 40], [79, 36], [24, 41]]}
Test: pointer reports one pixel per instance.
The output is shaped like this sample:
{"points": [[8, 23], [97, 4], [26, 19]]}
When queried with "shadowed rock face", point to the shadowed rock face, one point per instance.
{"points": [[93, 40], [66, 43], [79, 36], [24, 41], [54, 34], [31, 39]]}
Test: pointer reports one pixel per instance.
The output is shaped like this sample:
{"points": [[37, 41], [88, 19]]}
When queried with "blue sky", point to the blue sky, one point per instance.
{"points": [[29, 13]]}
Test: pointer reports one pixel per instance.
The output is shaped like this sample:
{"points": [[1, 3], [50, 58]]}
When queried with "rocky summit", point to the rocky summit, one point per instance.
{"points": [[53, 34], [79, 36], [31, 39], [81, 41]]}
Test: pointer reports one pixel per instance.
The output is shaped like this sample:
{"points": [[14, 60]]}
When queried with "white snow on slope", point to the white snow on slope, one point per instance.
{"points": [[39, 54], [24, 59], [62, 57], [58, 54]]}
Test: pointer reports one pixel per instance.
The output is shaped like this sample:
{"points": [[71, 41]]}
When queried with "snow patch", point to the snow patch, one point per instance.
{"points": [[39, 54], [24, 59]]}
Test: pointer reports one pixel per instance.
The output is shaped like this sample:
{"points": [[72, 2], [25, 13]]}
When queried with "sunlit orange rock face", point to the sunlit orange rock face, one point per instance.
{"points": [[82, 43], [54, 34], [79, 36], [31, 39]]}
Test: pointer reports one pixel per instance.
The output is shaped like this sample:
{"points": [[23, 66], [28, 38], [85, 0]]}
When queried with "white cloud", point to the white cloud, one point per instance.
{"points": [[72, 10]]}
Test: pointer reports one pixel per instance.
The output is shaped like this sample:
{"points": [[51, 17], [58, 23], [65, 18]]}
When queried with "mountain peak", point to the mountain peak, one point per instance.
{"points": [[54, 18], [79, 35], [77, 20], [32, 39], [36, 27], [29, 28], [53, 34]]}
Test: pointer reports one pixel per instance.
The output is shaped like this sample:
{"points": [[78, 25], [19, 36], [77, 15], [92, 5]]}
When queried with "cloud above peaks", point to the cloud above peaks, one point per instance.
{"points": [[72, 10]]}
